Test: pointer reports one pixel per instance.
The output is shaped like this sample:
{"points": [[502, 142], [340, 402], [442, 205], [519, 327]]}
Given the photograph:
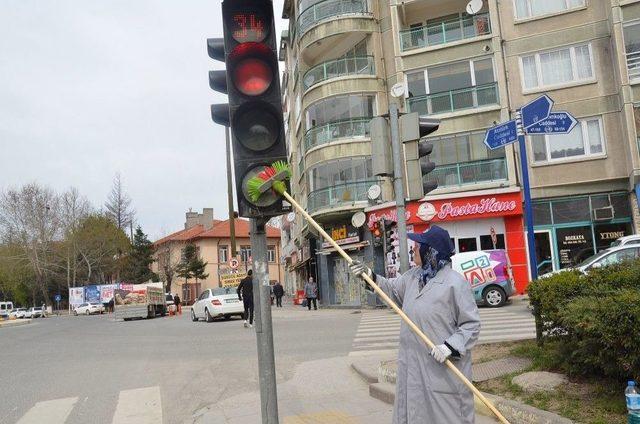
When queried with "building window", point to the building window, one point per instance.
{"points": [[222, 254], [271, 253], [586, 139], [245, 253], [631, 33], [532, 8], [486, 242], [340, 172], [339, 108], [557, 67]]}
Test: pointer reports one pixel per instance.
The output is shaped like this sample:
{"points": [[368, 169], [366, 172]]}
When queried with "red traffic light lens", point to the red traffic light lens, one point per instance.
{"points": [[248, 27], [252, 77]]}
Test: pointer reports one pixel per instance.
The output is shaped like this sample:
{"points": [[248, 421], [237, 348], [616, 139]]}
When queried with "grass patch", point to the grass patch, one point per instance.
{"points": [[585, 400]]}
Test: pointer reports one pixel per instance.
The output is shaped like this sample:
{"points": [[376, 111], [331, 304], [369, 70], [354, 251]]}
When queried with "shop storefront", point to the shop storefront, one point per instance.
{"points": [[569, 230], [337, 286], [475, 222]]}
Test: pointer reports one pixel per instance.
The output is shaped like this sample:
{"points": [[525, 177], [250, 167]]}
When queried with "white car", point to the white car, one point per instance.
{"points": [[88, 309], [18, 313], [213, 303], [34, 312], [171, 305], [627, 240], [610, 256]]}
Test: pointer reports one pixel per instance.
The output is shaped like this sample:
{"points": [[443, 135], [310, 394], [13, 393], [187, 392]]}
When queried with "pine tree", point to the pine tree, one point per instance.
{"points": [[184, 267], [197, 269], [118, 205], [140, 259]]}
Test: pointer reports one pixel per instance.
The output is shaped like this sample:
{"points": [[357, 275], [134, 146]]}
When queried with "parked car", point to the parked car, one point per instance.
{"points": [[5, 308], [213, 303], [627, 240], [89, 308], [610, 256], [18, 313], [489, 273], [34, 312], [171, 305]]}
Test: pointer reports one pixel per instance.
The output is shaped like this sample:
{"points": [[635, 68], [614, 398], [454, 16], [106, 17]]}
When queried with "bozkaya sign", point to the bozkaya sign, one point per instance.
{"points": [[455, 209]]}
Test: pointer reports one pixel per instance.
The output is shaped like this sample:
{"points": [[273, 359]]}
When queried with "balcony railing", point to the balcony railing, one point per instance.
{"points": [[339, 194], [351, 128], [363, 65], [328, 9], [633, 65], [445, 32], [454, 100], [470, 172]]}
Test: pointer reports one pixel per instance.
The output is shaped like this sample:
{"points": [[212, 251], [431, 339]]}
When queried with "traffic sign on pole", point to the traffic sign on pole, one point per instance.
{"points": [[556, 123], [501, 135], [58, 298], [536, 111], [234, 263]]}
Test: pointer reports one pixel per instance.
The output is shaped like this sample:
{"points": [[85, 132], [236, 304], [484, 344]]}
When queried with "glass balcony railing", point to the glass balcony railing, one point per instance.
{"points": [[464, 173], [633, 65], [363, 65], [339, 194], [454, 100], [351, 128], [445, 32], [328, 9]]}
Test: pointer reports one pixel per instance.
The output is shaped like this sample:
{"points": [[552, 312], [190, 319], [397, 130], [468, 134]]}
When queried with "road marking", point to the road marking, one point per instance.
{"points": [[139, 406], [50, 411]]}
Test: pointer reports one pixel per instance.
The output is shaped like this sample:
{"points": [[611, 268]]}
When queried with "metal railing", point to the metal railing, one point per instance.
{"points": [[350, 128], [362, 65], [339, 194], [328, 9], [445, 32], [464, 173], [633, 65], [454, 100]]}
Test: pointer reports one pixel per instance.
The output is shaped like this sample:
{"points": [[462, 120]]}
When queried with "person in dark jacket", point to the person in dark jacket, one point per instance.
{"points": [[278, 291], [176, 301], [311, 293], [245, 293]]}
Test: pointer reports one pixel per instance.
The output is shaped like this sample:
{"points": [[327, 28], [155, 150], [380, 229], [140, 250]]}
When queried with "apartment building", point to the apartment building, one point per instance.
{"points": [[471, 71]]}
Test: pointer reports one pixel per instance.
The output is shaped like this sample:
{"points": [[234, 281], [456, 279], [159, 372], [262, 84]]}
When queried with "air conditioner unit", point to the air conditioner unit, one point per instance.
{"points": [[603, 214]]}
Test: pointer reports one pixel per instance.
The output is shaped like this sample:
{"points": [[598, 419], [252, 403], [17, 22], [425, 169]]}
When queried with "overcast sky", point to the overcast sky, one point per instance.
{"points": [[89, 88]]}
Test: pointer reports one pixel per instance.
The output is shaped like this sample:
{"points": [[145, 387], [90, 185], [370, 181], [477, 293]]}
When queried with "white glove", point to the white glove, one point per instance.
{"points": [[440, 353], [357, 268]]}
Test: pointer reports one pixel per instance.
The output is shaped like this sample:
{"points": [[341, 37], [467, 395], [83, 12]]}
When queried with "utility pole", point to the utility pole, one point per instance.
{"points": [[398, 187], [232, 220], [263, 325]]}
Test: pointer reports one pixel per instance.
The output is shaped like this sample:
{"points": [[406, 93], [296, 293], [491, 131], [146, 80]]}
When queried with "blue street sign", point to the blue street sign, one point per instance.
{"points": [[57, 298], [556, 123], [501, 135], [536, 111]]}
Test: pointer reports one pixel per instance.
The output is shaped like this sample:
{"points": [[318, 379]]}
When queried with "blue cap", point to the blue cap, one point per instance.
{"points": [[436, 237], [631, 383]]}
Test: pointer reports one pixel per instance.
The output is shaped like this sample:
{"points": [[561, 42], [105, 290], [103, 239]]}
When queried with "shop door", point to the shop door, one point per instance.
{"points": [[346, 287], [544, 252]]}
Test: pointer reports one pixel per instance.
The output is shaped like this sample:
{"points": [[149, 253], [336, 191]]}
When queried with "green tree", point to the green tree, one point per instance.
{"points": [[140, 259], [198, 267], [184, 270]]}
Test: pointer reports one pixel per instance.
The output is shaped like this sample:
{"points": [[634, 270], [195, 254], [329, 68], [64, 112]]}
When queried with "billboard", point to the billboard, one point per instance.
{"points": [[106, 292], [92, 293], [76, 296]]}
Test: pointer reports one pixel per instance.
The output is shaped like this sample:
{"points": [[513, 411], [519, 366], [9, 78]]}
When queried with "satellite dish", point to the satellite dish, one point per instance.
{"points": [[291, 217], [358, 219], [474, 6], [374, 192], [397, 90]]}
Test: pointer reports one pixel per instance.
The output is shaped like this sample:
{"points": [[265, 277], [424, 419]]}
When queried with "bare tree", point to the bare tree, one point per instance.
{"points": [[30, 218], [74, 208], [118, 205], [167, 263]]}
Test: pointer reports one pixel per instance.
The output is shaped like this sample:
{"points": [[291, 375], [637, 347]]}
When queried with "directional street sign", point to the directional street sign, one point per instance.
{"points": [[536, 111], [556, 123], [501, 135], [58, 298]]}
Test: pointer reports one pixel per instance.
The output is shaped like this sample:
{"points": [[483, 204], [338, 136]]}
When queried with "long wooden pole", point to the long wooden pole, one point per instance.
{"points": [[395, 307]]}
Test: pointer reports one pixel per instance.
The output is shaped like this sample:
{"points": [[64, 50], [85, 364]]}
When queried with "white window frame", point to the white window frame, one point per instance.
{"points": [[531, 16], [624, 45], [582, 126], [226, 255], [472, 70], [574, 68]]}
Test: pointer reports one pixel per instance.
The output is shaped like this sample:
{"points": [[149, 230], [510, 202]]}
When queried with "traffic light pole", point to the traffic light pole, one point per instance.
{"points": [[232, 220], [263, 327], [398, 187]]}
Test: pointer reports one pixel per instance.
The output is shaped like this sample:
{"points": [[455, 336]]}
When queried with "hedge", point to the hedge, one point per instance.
{"points": [[596, 318]]}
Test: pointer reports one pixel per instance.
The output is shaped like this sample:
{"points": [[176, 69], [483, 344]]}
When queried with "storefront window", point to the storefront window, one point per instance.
{"points": [[575, 244], [542, 213], [571, 210], [486, 243], [467, 244], [608, 233]]}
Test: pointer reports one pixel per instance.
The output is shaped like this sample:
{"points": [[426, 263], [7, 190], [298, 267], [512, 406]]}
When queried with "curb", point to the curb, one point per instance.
{"points": [[385, 392], [14, 323], [368, 376]]}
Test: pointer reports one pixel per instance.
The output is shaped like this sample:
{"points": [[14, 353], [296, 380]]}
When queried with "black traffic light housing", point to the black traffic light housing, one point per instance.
{"points": [[425, 147], [377, 234]]}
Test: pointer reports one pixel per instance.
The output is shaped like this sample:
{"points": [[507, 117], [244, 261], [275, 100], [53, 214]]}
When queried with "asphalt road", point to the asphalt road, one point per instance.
{"points": [[96, 363]]}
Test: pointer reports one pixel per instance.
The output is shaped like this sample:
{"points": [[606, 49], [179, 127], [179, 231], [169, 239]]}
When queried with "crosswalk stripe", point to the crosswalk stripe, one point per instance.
{"points": [[139, 406], [50, 411]]}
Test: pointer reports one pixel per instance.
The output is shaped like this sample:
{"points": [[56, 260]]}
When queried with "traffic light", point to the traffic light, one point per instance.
{"points": [[377, 234], [390, 235], [417, 150], [254, 111]]}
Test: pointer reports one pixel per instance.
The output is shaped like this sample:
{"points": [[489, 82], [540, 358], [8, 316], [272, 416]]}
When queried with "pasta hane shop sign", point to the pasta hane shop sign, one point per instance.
{"points": [[343, 234]]}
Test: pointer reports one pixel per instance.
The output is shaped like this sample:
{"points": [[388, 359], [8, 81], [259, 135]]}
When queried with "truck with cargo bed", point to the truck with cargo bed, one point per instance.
{"points": [[139, 301]]}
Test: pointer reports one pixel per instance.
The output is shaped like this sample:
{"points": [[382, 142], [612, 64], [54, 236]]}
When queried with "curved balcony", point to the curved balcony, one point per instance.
{"points": [[455, 100], [350, 128], [327, 9], [339, 195], [445, 32], [363, 65], [460, 174]]}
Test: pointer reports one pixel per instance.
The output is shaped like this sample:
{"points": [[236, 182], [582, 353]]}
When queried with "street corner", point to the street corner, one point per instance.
{"points": [[14, 323]]}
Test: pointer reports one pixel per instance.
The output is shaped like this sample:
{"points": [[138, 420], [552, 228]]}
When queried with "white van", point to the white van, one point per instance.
{"points": [[5, 308]]}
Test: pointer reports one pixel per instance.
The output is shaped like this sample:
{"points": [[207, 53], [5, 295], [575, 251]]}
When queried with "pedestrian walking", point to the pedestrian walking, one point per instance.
{"points": [[245, 293], [311, 293], [440, 302], [176, 301], [278, 291]]}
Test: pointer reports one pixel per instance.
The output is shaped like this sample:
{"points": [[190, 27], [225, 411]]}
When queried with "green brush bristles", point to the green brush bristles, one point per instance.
{"points": [[253, 188], [275, 174], [281, 166]]}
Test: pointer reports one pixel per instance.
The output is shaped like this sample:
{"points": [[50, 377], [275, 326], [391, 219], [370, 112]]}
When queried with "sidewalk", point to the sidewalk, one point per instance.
{"points": [[14, 323]]}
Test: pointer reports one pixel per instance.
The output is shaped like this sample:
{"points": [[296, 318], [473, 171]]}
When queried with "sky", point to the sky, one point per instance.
{"points": [[91, 88]]}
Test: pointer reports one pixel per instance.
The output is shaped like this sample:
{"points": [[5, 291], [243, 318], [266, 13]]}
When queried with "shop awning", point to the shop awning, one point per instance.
{"points": [[346, 247], [299, 264]]}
